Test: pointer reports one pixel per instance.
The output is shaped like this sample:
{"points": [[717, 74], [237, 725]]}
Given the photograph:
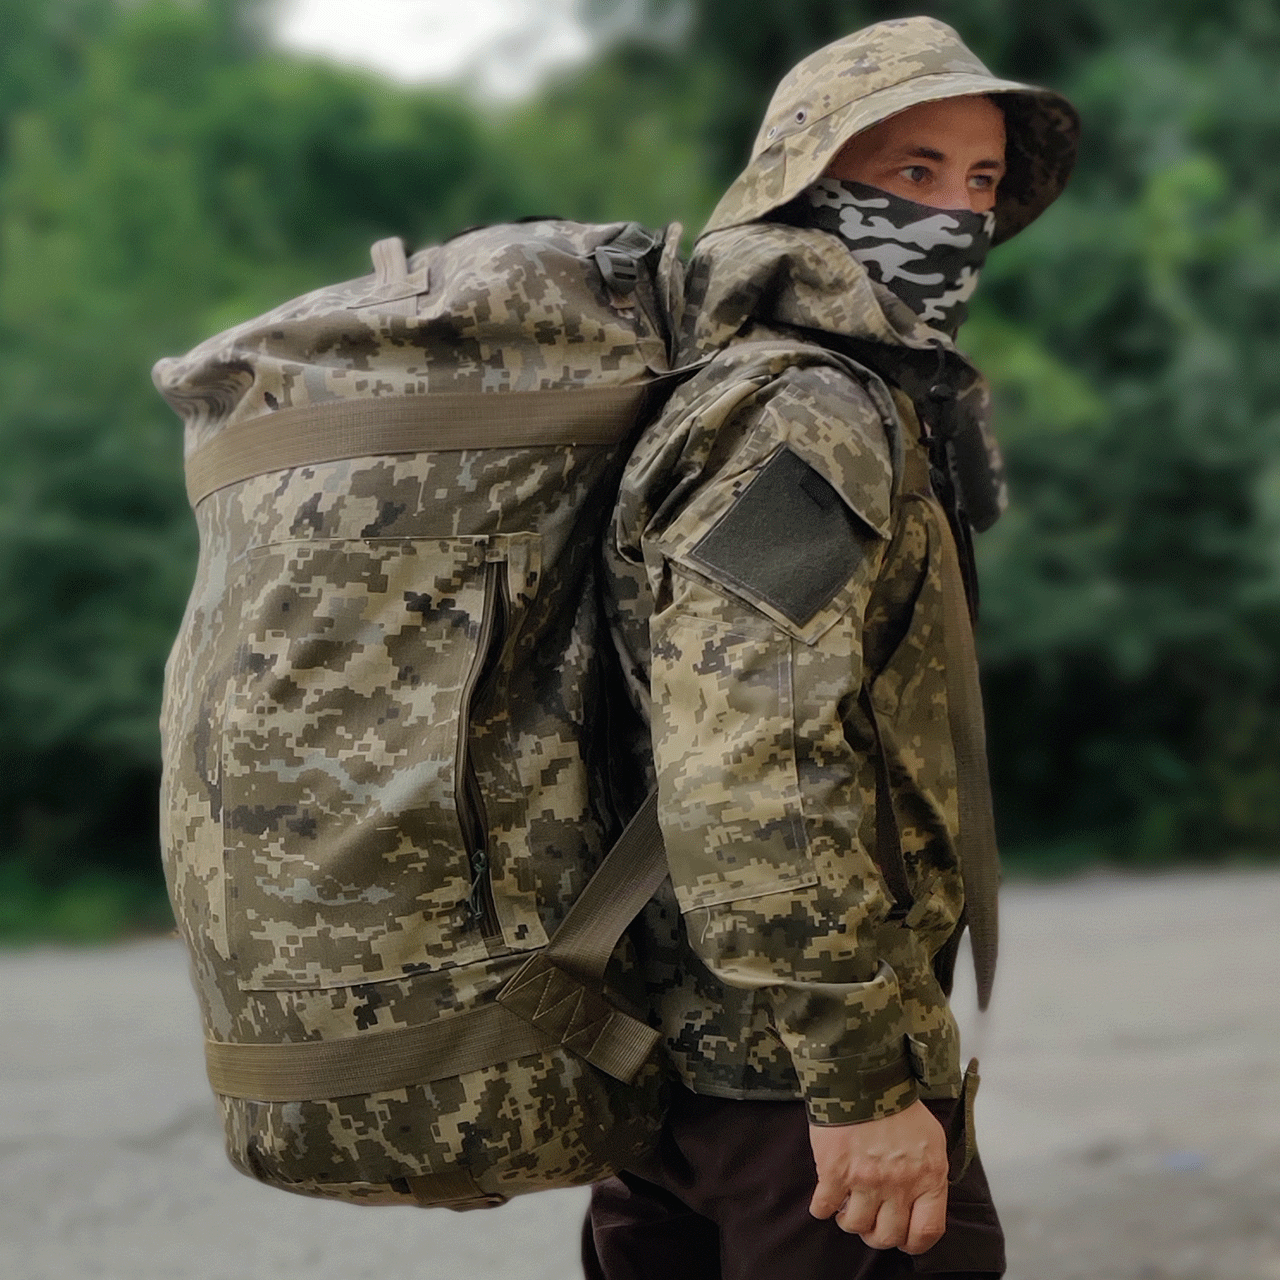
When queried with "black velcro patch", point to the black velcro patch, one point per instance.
{"points": [[789, 540]]}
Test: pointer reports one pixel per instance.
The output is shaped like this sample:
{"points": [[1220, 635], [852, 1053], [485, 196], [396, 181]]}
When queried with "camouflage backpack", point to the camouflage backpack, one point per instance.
{"points": [[384, 719]]}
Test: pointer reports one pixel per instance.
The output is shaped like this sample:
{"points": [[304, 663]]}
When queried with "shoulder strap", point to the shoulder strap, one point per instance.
{"points": [[976, 848], [888, 839], [627, 878], [976, 843]]}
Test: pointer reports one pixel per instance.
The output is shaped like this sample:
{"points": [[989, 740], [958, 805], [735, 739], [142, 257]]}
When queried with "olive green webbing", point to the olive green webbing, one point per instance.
{"points": [[976, 848], [482, 1037], [298, 1070], [977, 851], [446, 420], [625, 880], [455, 1188]]}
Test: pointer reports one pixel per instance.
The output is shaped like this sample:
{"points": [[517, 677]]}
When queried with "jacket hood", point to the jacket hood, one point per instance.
{"points": [[769, 274], [770, 282], [875, 73]]}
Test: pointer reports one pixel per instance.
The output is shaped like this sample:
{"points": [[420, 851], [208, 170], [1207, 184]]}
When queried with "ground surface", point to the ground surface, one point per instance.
{"points": [[1129, 1113]]}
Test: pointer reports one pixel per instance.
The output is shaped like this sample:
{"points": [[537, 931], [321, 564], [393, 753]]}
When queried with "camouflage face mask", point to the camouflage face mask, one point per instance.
{"points": [[929, 257]]}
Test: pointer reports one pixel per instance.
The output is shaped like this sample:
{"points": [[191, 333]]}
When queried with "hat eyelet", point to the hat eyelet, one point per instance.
{"points": [[801, 116], [772, 131]]}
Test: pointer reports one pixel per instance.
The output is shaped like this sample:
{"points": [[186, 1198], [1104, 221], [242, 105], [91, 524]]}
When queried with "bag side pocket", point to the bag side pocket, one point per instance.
{"points": [[346, 861]]}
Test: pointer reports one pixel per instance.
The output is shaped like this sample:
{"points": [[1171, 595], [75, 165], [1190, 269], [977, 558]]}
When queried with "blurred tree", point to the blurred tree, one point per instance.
{"points": [[163, 175], [160, 178], [615, 141], [1131, 639]]}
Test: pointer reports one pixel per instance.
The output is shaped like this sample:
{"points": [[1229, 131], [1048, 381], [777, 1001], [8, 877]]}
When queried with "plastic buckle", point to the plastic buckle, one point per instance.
{"points": [[620, 269]]}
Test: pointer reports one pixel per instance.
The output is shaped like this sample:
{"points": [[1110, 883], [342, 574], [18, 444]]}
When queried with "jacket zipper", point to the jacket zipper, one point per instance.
{"points": [[481, 910]]}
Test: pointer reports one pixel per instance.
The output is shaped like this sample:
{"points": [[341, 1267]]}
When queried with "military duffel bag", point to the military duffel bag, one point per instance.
{"points": [[383, 719]]}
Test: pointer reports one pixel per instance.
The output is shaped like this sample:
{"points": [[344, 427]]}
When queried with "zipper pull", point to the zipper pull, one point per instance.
{"points": [[479, 875]]}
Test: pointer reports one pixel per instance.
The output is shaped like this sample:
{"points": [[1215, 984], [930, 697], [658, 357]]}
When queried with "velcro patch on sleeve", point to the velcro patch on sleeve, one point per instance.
{"points": [[789, 540]]}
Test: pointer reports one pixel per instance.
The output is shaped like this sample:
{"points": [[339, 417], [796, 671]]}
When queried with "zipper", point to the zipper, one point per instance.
{"points": [[482, 913]]}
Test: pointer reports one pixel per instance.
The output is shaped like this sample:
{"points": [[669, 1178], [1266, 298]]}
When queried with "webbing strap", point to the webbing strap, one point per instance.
{"points": [[435, 421], [976, 848], [624, 881], [962, 1145], [977, 851], [579, 1017], [295, 1071], [557, 992]]}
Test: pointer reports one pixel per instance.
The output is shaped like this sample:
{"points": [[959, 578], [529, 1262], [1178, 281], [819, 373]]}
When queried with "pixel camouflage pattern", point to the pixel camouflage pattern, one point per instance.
{"points": [[778, 965], [348, 619]]}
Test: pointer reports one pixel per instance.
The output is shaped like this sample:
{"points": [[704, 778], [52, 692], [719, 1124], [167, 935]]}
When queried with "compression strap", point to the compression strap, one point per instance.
{"points": [[554, 999], [442, 421]]}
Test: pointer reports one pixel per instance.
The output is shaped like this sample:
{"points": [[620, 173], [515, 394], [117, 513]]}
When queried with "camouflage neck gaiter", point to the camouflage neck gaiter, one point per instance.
{"points": [[929, 257]]}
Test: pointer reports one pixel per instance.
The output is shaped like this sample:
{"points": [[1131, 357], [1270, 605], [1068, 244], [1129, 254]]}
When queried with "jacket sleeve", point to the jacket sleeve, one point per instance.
{"points": [[761, 573]]}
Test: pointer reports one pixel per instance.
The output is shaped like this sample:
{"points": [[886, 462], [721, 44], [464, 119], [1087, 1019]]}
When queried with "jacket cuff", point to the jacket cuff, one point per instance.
{"points": [[858, 1087]]}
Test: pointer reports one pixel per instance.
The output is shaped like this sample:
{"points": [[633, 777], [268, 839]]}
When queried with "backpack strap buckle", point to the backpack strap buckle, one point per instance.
{"points": [[620, 269], [619, 260]]}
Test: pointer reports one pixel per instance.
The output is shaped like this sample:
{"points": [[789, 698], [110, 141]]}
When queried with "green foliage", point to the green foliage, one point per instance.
{"points": [[1133, 603], [160, 178], [95, 907], [1135, 608], [614, 143], [163, 176]]}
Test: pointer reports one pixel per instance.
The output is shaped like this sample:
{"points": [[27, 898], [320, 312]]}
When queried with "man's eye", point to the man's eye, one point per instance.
{"points": [[915, 173], [982, 181]]}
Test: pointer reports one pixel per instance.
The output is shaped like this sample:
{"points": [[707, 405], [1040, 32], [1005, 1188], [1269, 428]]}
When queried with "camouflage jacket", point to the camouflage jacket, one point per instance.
{"points": [[775, 569]]}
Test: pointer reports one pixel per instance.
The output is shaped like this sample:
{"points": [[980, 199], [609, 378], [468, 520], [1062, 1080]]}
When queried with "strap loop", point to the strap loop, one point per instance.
{"points": [[389, 261]]}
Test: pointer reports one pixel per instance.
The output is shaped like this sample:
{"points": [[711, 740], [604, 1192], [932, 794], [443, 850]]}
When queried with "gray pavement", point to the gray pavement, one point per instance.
{"points": [[1129, 1115]]}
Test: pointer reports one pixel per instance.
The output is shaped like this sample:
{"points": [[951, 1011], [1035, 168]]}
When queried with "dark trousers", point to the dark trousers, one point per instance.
{"points": [[727, 1198]]}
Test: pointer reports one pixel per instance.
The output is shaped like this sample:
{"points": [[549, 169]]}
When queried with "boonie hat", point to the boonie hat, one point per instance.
{"points": [[875, 73]]}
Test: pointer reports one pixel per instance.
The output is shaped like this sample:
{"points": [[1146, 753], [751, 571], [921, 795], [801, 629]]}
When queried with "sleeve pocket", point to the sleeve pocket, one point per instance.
{"points": [[724, 739], [789, 544]]}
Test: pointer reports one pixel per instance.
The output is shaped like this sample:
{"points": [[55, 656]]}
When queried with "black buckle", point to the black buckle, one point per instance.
{"points": [[620, 269]]}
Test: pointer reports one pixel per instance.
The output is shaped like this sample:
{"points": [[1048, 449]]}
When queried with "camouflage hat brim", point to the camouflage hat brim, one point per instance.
{"points": [[797, 143]]}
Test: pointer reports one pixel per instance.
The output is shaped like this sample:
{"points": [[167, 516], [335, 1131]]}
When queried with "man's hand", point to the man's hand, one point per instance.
{"points": [[884, 1180]]}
